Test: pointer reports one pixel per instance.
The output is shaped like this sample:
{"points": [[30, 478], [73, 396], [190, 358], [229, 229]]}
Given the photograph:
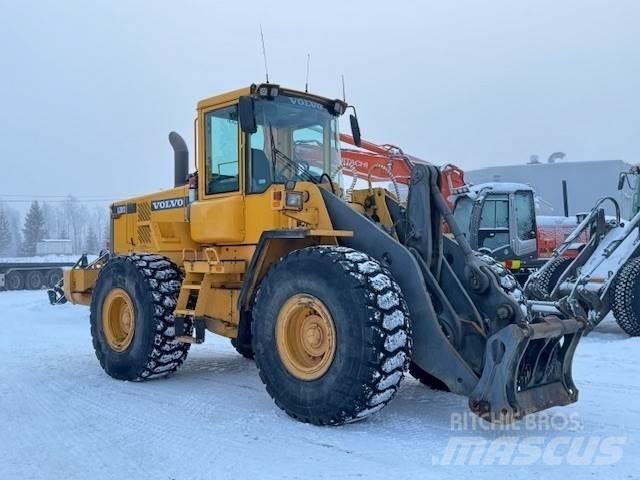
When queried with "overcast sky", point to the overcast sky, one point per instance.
{"points": [[90, 90]]}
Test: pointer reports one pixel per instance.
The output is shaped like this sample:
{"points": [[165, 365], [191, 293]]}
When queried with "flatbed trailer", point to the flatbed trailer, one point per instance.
{"points": [[30, 275]]}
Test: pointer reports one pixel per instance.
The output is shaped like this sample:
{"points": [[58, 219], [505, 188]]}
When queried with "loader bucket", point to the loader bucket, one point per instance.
{"points": [[527, 368]]}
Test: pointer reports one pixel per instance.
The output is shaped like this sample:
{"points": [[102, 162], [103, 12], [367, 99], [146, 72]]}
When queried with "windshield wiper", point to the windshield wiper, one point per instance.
{"points": [[291, 163]]}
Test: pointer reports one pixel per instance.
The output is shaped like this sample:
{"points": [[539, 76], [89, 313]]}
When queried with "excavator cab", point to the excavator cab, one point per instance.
{"points": [[499, 220]]}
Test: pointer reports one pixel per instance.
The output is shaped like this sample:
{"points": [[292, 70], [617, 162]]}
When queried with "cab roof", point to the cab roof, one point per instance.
{"points": [[235, 94]]}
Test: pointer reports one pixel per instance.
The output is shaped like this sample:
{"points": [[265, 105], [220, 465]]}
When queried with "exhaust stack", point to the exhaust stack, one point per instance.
{"points": [[180, 159]]}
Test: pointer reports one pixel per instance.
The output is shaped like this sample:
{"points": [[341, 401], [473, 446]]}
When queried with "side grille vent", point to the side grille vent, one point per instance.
{"points": [[144, 212], [144, 234]]}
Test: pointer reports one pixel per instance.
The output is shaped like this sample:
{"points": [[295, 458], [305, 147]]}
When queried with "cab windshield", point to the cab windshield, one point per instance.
{"points": [[296, 139]]}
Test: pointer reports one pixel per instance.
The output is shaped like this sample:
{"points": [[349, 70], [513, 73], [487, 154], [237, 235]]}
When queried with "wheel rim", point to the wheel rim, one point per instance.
{"points": [[118, 319], [305, 337]]}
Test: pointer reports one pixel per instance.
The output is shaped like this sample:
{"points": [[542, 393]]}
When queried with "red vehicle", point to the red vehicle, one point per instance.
{"points": [[380, 160]]}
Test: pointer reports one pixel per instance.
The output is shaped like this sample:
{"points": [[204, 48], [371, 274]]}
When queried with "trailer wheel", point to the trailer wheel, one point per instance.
{"points": [[53, 277], [539, 287], [33, 280], [14, 281], [626, 298], [132, 323], [331, 335]]}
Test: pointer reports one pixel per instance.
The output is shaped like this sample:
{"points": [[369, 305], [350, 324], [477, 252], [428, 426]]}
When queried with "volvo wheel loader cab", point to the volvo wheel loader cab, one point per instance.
{"points": [[333, 298]]}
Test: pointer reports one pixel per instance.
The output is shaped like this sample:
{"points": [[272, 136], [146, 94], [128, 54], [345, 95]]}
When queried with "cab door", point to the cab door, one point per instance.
{"points": [[523, 224], [218, 216], [493, 234]]}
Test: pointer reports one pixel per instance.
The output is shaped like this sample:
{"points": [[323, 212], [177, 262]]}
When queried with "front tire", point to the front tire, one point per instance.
{"points": [[626, 298], [331, 335], [132, 323], [539, 287]]}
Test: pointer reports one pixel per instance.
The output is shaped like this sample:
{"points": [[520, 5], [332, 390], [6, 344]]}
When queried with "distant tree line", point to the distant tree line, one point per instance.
{"points": [[86, 227]]}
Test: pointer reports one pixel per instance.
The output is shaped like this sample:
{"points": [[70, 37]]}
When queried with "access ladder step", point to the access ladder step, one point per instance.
{"points": [[181, 330], [195, 267]]}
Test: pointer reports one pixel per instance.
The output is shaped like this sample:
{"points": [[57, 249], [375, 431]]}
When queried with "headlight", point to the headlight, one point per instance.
{"points": [[337, 107], [268, 91], [293, 200]]}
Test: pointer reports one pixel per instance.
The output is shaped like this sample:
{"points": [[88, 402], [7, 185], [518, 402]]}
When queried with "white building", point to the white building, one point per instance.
{"points": [[586, 183]]}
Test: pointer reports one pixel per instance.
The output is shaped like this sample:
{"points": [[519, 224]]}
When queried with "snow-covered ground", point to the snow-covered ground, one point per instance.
{"points": [[62, 417]]}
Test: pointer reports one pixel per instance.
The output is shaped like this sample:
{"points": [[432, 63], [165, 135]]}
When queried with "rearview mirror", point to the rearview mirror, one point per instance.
{"points": [[355, 130], [621, 181], [247, 115]]}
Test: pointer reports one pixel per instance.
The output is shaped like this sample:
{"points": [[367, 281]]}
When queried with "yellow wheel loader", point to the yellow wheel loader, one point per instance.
{"points": [[334, 297]]}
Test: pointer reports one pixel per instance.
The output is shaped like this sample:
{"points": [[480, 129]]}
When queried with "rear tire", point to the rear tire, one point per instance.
{"points": [[243, 349], [151, 283], [626, 298], [371, 339], [539, 287]]}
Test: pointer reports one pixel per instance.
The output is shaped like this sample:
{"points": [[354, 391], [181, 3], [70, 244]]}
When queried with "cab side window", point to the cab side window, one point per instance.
{"points": [[494, 223], [260, 167], [221, 150]]}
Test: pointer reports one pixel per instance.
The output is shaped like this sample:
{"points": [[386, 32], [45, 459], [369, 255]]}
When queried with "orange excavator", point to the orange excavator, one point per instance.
{"points": [[503, 241], [388, 162]]}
